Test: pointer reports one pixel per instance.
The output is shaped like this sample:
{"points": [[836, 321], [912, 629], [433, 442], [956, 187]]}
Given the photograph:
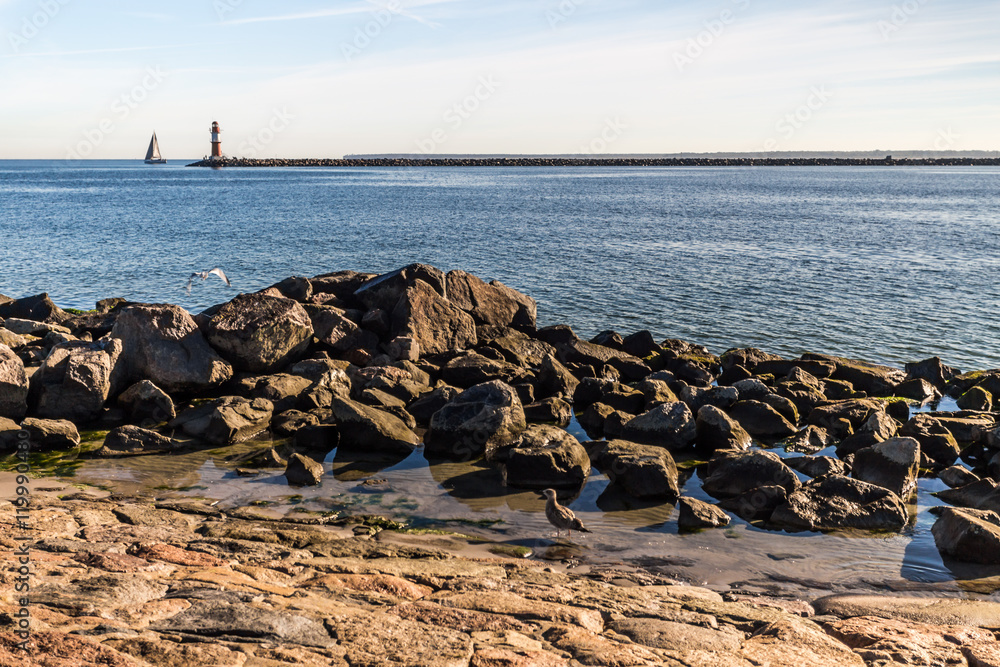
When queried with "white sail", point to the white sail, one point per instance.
{"points": [[154, 149]]}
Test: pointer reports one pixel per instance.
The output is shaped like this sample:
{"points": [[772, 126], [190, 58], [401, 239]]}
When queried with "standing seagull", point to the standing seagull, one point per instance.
{"points": [[561, 517], [204, 276]]}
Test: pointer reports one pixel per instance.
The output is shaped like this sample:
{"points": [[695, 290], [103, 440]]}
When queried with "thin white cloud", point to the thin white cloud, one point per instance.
{"points": [[28, 54], [347, 11]]}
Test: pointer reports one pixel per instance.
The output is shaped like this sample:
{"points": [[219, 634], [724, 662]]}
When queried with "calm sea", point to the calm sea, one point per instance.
{"points": [[886, 264]]}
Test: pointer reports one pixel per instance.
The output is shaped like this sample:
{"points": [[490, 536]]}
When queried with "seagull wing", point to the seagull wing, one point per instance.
{"points": [[219, 272]]}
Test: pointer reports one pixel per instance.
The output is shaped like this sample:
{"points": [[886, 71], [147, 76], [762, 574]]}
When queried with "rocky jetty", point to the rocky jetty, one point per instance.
{"points": [[385, 364], [594, 162]]}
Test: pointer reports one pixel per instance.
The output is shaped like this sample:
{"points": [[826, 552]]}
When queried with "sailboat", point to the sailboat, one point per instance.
{"points": [[153, 154]]}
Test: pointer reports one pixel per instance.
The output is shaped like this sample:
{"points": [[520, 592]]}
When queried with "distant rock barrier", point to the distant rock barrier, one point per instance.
{"points": [[600, 162]]}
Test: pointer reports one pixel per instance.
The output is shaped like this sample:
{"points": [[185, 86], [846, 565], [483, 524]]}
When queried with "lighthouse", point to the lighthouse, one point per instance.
{"points": [[216, 141]]}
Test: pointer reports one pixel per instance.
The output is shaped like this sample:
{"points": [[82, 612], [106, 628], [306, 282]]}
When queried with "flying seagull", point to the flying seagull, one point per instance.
{"points": [[204, 276], [561, 517]]}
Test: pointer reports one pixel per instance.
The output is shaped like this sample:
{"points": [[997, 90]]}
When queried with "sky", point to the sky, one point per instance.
{"points": [[302, 78]]}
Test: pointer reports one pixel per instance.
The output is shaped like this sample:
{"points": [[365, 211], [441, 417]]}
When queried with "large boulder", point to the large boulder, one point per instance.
{"points": [[837, 502], [554, 378], [873, 379], [643, 471], [147, 403], [717, 430], [932, 370], [844, 417], [547, 457], [477, 421], [368, 429], [582, 352], [259, 333], [226, 420], [472, 368], [696, 514], [39, 308], [49, 434], [762, 420], [493, 303], [76, 379], [303, 471], [13, 385], [669, 425], [163, 344], [892, 464], [332, 327], [436, 324], [132, 440], [968, 535], [384, 292], [936, 441], [733, 473]]}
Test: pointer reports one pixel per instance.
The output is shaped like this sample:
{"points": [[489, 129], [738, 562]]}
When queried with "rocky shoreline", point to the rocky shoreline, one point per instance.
{"points": [[597, 162], [386, 364]]}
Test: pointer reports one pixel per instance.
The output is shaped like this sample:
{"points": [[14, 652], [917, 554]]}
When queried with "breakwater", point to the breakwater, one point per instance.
{"points": [[597, 162]]}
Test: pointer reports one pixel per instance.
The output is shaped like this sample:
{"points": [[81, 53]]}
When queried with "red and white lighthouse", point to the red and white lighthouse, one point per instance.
{"points": [[216, 141]]}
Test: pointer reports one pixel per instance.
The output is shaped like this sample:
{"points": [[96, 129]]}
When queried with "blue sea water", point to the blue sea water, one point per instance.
{"points": [[885, 264]]}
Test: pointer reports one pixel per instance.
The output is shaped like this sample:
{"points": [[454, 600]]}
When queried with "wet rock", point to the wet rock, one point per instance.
{"points": [[76, 378], [39, 308], [817, 466], [748, 357], [13, 385], [364, 428], [957, 476], [670, 425], [282, 389], [892, 464], [761, 420], [717, 430], [835, 501], [423, 409], [435, 323], [696, 514], [808, 440], [844, 417], [581, 352], [591, 390], [936, 441], [931, 370], [879, 427], [225, 420], [981, 494], [976, 398], [873, 379], [163, 344], [145, 402], [643, 471], [303, 471], [260, 334], [49, 434], [595, 417], [734, 473], [546, 457], [640, 344], [549, 410], [477, 421], [130, 440], [757, 504], [493, 304], [968, 535], [224, 621], [655, 392], [919, 390]]}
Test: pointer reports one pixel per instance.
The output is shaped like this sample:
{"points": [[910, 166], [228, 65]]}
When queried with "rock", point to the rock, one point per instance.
{"points": [[224, 621], [48, 434], [968, 535], [931, 370], [549, 410], [581, 352], [747, 357], [303, 471], [810, 439], [435, 323], [128, 440], [673, 636], [834, 502], [640, 344], [471, 369], [556, 334], [75, 380], [284, 390], [921, 609], [981, 494], [34, 328], [892, 464], [56, 649], [817, 466], [423, 408], [546, 457], [695, 514], [936, 442], [12, 340], [873, 379], [751, 389], [225, 420], [879, 427], [554, 378], [670, 425], [976, 398], [957, 476], [717, 430], [844, 417], [260, 334], [643, 471], [757, 504], [381, 639], [477, 421], [385, 291], [9, 431], [38, 308], [899, 642], [13, 385], [919, 390], [364, 428], [164, 345], [789, 642], [333, 328], [761, 420], [734, 473], [295, 288], [145, 402], [492, 304]]}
